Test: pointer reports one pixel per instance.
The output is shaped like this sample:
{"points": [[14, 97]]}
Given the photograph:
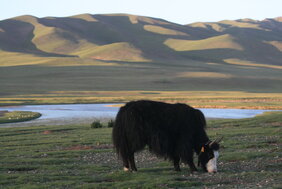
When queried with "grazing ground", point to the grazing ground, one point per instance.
{"points": [[78, 156], [17, 116]]}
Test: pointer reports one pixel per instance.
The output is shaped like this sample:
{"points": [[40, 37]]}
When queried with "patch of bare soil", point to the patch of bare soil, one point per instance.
{"points": [[47, 132], [87, 147], [258, 173], [143, 159]]}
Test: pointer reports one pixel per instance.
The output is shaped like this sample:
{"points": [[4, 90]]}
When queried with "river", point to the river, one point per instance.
{"points": [[86, 113]]}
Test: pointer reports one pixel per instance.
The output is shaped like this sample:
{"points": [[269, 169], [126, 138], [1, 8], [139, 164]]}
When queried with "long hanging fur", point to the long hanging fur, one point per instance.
{"points": [[169, 130]]}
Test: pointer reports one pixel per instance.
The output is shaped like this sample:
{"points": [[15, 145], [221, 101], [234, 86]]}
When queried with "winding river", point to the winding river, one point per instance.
{"points": [[86, 113]]}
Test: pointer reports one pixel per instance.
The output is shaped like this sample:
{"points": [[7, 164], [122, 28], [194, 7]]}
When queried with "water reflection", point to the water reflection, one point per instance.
{"points": [[71, 111]]}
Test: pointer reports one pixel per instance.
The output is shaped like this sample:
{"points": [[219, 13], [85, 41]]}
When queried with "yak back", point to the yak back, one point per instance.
{"points": [[167, 129]]}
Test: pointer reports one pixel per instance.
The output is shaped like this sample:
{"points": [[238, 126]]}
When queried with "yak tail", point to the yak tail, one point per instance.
{"points": [[119, 134]]}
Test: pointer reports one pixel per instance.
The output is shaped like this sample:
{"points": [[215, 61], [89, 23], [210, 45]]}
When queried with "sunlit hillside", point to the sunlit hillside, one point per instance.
{"points": [[128, 52]]}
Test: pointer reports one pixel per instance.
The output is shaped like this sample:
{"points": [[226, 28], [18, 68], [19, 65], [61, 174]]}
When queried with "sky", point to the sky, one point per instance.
{"points": [[178, 11]]}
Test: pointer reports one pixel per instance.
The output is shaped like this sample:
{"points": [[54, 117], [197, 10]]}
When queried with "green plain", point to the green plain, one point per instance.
{"points": [[78, 156]]}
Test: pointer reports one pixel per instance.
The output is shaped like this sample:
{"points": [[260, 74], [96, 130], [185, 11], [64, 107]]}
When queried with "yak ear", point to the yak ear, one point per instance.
{"points": [[203, 149]]}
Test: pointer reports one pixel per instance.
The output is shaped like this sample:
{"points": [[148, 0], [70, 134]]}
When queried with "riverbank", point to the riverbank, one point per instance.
{"points": [[17, 116], [197, 99]]}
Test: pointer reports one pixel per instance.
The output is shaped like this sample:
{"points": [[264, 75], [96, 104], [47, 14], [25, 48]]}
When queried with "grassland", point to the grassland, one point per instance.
{"points": [[77, 156], [199, 99], [118, 58], [17, 116]]}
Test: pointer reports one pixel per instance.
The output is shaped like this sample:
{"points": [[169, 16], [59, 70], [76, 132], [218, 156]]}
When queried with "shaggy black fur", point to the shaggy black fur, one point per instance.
{"points": [[172, 131]]}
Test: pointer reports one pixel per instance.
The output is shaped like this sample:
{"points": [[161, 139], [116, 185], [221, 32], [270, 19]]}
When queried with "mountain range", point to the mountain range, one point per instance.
{"points": [[201, 54]]}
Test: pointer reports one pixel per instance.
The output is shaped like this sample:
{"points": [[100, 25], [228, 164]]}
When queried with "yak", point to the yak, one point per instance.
{"points": [[171, 131]]}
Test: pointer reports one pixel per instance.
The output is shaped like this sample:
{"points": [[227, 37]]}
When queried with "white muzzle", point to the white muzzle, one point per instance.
{"points": [[212, 163]]}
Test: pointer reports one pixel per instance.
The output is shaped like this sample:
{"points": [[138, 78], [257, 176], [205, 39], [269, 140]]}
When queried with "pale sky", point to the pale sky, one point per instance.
{"points": [[178, 11]]}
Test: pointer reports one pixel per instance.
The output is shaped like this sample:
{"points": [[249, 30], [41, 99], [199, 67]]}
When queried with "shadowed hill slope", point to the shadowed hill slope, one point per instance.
{"points": [[129, 52], [124, 37]]}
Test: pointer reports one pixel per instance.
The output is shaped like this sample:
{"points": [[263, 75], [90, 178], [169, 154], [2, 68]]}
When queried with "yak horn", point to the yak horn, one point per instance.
{"points": [[216, 141], [219, 139]]}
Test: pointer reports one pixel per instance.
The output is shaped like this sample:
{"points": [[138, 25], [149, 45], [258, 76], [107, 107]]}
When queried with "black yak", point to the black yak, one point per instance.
{"points": [[172, 131]]}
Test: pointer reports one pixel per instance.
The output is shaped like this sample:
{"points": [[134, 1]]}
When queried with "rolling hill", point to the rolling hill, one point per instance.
{"points": [[128, 52]]}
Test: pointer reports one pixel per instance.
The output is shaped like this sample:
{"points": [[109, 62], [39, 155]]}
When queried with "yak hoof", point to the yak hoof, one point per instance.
{"points": [[177, 169], [194, 170]]}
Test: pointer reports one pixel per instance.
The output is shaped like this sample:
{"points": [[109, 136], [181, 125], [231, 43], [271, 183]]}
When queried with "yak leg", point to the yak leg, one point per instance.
{"points": [[191, 164], [132, 162], [176, 161], [125, 164], [189, 154]]}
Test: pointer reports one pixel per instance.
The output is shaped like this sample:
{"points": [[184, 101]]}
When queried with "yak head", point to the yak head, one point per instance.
{"points": [[208, 156]]}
